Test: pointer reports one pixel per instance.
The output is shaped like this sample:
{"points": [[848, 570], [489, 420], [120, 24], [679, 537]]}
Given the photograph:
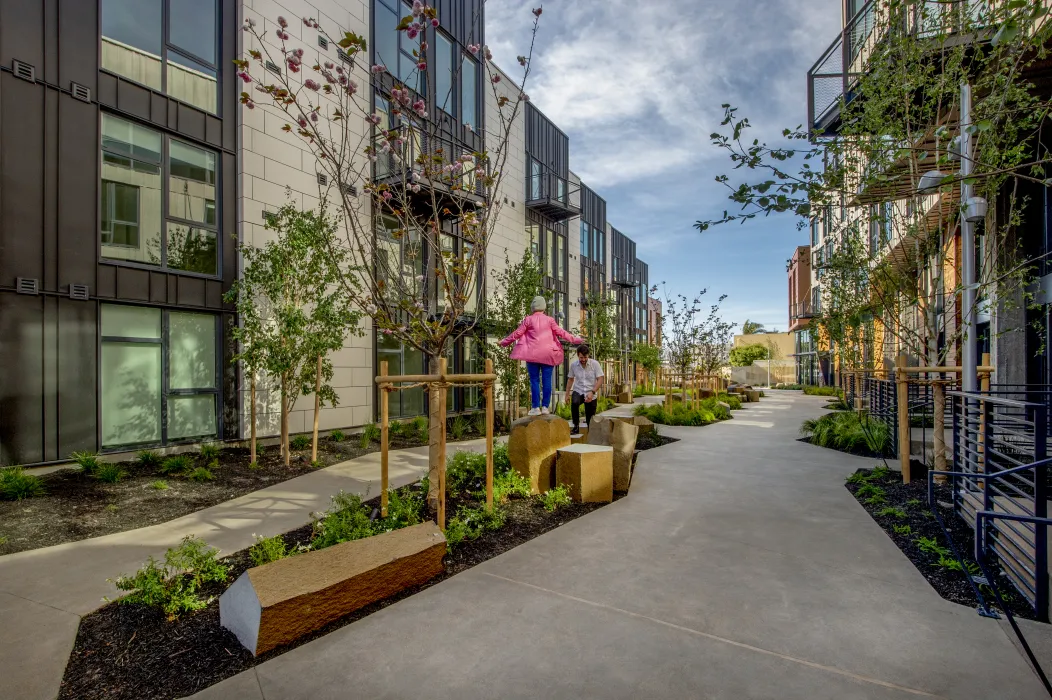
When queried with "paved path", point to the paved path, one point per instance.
{"points": [[739, 568], [44, 592]]}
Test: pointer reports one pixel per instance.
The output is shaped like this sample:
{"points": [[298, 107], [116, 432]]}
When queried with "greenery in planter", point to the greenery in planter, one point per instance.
{"points": [[337, 436], [177, 464], [648, 357], [110, 473], [747, 354], [173, 585], [16, 484], [209, 451], [300, 442], [849, 431], [682, 414], [268, 549], [87, 461], [200, 474], [470, 523], [556, 498], [148, 459], [811, 390]]}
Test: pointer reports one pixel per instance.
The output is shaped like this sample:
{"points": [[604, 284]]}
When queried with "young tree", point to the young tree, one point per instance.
{"points": [[406, 186], [693, 341], [599, 329], [751, 327], [296, 310], [747, 354], [514, 288], [648, 357], [886, 187]]}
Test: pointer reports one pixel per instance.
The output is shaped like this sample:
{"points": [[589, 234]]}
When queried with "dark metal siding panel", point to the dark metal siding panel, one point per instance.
{"points": [[107, 280], [78, 193], [107, 90], [21, 400], [546, 142], [159, 109], [78, 39], [49, 389], [49, 71], [229, 31], [593, 208], [21, 32], [48, 202], [158, 287], [191, 122], [133, 99], [77, 376], [21, 175], [228, 225], [133, 284], [191, 291]]}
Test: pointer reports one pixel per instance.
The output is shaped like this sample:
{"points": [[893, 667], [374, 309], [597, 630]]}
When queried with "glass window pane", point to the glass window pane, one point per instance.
{"points": [[125, 138], [130, 322], [132, 39], [130, 386], [192, 27], [191, 183], [471, 292], [192, 249], [444, 73], [191, 351], [120, 214], [192, 82], [413, 399], [191, 416], [386, 38], [584, 239], [549, 252], [130, 193], [468, 92], [560, 255]]}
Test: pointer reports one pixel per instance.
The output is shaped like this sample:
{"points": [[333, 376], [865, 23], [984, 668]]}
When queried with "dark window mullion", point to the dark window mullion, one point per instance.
{"points": [[165, 349]]}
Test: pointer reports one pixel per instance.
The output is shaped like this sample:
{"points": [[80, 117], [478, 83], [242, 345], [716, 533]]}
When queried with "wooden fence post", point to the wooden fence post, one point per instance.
{"points": [[938, 391], [442, 363], [383, 440], [317, 412], [902, 398], [489, 438]]}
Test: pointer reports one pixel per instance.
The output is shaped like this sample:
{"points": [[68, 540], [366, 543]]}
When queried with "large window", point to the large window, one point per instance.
{"points": [[469, 73], [158, 379], [166, 45], [585, 248], [394, 49], [443, 73], [535, 179], [138, 225]]}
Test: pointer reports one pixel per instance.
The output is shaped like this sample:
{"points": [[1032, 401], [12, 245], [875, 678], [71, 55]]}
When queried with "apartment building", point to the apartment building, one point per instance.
{"points": [[811, 366], [130, 173]]}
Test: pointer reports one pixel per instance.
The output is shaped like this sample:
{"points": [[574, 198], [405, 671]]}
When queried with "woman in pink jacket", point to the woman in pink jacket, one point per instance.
{"points": [[539, 347]]}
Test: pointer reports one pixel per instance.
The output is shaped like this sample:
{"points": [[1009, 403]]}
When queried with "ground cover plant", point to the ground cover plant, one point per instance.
{"points": [[678, 413], [811, 390], [902, 512], [849, 431]]}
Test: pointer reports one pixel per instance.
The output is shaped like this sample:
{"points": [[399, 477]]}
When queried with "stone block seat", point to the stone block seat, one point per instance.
{"points": [[532, 444], [753, 395], [644, 424], [621, 436], [280, 602], [587, 471], [624, 397]]}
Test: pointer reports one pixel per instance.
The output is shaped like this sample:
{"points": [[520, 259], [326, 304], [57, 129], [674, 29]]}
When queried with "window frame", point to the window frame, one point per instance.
{"points": [[166, 46], [166, 391], [166, 217]]}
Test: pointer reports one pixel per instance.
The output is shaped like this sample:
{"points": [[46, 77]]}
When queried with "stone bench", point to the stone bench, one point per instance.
{"points": [[532, 444], [621, 436], [277, 603], [587, 471], [753, 395], [644, 424]]}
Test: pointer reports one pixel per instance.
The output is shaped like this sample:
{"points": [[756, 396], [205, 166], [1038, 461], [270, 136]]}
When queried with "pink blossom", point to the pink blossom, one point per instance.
{"points": [[412, 33], [282, 22], [314, 116], [352, 87], [250, 104], [537, 12], [474, 49], [307, 21], [311, 85], [422, 65], [419, 105], [487, 53], [373, 119], [495, 79], [302, 122], [250, 24], [387, 195], [294, 68], [423, 46], [378, 69], [414, 188], [328, 65], [418, 8], [245, 76], [281, 35], [339, 69], [434, 23], [298, 53]]}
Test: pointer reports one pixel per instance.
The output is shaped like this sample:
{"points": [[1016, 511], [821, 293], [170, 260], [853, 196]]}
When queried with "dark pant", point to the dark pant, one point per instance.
{"points": [[575, 409]]}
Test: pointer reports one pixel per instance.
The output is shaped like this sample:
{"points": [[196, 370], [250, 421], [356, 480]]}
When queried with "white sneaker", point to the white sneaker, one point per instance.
{"points": [[534, 412], [544, 410]]}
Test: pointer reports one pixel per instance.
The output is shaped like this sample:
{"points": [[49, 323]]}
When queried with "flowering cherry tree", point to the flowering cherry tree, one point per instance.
{"points": [[406, 181]]}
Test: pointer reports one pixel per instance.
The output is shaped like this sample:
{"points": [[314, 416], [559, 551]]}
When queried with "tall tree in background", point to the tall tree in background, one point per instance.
{"points": [[751, 327]]}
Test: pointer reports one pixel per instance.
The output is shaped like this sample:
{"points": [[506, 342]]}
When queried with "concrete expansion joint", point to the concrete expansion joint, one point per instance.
{"points": [[716, 638]]}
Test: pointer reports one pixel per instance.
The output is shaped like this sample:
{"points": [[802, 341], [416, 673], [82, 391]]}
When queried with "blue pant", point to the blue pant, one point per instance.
{"points": [[540, 375]]}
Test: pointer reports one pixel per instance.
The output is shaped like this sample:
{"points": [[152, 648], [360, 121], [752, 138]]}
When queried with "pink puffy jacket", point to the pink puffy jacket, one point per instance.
{"points": [[538, 337]]}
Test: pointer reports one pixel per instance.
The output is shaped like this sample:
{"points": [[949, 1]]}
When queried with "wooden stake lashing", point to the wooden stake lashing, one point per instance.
{"points": [[902, 399], [489, 438], [442, 362], [384, 394]]}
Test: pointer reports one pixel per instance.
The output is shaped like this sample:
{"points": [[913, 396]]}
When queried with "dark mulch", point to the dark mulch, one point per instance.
{"points": [[77, 506], [857, 453], [130, 651], [648, 441], [913, 499]]}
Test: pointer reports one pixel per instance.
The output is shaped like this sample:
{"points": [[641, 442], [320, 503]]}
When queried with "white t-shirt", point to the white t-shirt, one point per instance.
{"points": [[584, 378]]}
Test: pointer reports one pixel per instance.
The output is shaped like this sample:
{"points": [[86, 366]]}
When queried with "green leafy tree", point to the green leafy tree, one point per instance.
{"points": [[747, 354], [752, 327], [648, 357], [693, 340], [599, 326], [295, 309]]}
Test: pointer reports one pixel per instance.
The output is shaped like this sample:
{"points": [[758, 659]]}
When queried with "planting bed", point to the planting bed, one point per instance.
{"points": [[76, 506], [131, 651], [911, 499]]}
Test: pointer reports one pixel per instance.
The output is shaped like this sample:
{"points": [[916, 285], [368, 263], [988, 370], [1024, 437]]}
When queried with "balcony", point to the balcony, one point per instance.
{"points": [[401, 171], [833, 79], [801, 310], [549, 194]]}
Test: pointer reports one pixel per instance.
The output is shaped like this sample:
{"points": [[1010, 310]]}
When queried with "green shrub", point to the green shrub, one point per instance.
{"points": [[556, 498], [465, 471], [253, 465], [680, 414], [159, 485], [929, 545], [732, 400], [300, 442], [87, 461], [480, 423], [471, 523], [850, 432], [177, 464], [405, 507], [268, 549], [563, 410], [17, 485], [110, 473], [209, 451], [347, 519], [201, 474], [891, 512], [745, 355], [173, 586], [420, 429], [509, 485], [810, 390], [604, 403], [914, 503], [952, 564], [148, 459], [458, 427], [789, 387], [337, 436], [902, 529], [858, 478], [371, 432]]}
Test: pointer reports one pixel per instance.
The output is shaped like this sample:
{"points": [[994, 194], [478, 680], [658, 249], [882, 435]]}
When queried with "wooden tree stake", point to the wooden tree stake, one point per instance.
{"points": [[902, 398], [383, 440], [489, 438], [317, 412], [441, 415], [252, 420]]}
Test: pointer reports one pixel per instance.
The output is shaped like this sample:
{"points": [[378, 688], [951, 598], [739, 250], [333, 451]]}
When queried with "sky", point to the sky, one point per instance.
{"points": [[638, 87]]}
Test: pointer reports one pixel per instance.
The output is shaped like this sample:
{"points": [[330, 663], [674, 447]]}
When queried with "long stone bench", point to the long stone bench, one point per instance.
{"points": [[277, 603]]}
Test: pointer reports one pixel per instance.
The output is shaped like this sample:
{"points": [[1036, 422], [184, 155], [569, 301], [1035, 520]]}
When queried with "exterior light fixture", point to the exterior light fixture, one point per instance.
{"points": [[975, 210], [956, 148], [930, 182]]}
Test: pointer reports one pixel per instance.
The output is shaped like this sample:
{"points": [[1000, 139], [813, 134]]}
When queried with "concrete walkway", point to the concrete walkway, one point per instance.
{"points": [[44, 592], [739, 568]]}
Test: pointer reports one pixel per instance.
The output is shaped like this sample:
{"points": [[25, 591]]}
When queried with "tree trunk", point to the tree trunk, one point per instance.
{"points": [[285, 456], [434, 435], [317, 412], [252, 420]]}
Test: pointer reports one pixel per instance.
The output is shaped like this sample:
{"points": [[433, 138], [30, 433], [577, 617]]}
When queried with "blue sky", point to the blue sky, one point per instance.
{"points": [[638, 84]]}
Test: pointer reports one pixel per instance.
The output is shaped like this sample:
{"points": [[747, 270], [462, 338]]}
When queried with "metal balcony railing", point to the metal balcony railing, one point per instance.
{"points": [[550, 194], [801, 310], [834, 77]]}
